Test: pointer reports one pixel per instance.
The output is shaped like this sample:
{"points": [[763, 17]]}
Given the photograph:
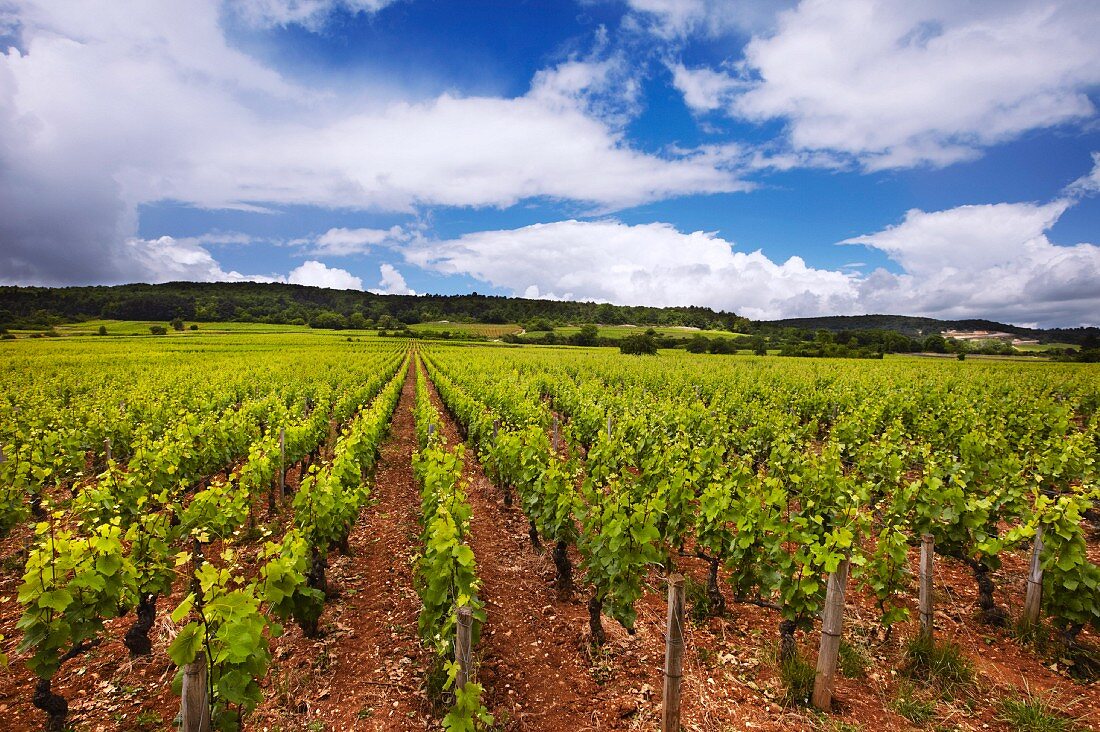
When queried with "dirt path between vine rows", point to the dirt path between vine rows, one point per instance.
{"points": [[535, 666], [366, 671]]}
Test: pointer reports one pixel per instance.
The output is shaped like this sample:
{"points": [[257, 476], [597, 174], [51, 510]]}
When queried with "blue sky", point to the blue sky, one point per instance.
{"points": [[772, 159]]}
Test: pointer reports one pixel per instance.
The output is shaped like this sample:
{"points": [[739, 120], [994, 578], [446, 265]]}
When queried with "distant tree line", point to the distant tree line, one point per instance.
{"points": [[252, 302], [41, 308]]}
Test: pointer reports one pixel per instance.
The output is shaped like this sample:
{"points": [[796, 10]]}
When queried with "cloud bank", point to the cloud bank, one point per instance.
{"points": [[111, 104], [896, 84], [990, 261]]}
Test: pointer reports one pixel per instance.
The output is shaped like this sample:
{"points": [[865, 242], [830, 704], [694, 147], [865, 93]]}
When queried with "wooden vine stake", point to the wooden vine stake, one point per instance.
{"points": [[927, 552], [674, 655], [194, 701], [462, 646], [107, 448], [194, 709], [832, 623], [1034, 598], [282, 462]]}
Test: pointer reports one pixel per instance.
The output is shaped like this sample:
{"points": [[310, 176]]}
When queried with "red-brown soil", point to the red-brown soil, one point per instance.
{"points": [[366, 672]]}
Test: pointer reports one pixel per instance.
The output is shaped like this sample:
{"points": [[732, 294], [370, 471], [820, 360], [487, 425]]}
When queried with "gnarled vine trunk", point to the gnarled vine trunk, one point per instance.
{"points": [[137, 636], [54, 705], [595, 623], [565, 569]]}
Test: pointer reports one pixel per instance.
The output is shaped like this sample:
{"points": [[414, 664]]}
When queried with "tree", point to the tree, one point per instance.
{"points": [[388, 322], [697, 344], [588, 336], [759, 346], [177, 324], [935, 343], [722, 345], [103, 330], [638, 344], [328, 319]]}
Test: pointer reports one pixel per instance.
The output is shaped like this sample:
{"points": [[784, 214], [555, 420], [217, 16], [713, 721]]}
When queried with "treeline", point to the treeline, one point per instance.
{"points": [[918, 327], [251, 302]]}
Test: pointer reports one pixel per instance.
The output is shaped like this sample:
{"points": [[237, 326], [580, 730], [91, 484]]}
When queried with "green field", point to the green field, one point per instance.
{"points": [[489, 330], [622, 331]]}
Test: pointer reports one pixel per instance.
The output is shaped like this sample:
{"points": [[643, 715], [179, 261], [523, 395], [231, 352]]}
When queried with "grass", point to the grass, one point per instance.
{"points": [[941, 665], [797, 675], [1034, 713], [913, 707], [853, 660]]}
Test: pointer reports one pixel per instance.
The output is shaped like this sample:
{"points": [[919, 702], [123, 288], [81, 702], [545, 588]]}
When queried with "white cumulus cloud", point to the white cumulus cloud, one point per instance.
{"points": [[989, 261], [166, 259], [650, 264], [309, 14], [192, 119], [317, 274], [992, 261], [897, 84], [342, 242], [392, 282]]}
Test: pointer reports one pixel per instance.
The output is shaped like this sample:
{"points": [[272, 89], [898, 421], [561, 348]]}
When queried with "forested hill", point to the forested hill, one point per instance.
{"points": [[279, 303], [41, 307], [914, 327]]}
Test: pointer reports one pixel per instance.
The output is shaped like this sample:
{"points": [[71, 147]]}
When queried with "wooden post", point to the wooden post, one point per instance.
{"points": [[496, 428], [1033, 599], [832, 623], [674, 655], [431, 430], [107, 448], [927, 552], [282, 462], [609, 426], [462, 645], [194, 709]]}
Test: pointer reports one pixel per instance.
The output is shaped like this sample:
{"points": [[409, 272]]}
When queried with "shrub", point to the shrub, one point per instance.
{"points": [[697, 344], [177, 324], [158, 329], [194, 327], [639, 344], [103, 330]]}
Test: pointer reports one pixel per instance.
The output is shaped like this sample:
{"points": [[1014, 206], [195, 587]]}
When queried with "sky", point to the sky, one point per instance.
{"points": [[770, 158]]}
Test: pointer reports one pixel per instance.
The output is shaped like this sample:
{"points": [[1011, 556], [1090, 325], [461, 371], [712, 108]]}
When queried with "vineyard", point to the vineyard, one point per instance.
{"points": [[298, 531]]}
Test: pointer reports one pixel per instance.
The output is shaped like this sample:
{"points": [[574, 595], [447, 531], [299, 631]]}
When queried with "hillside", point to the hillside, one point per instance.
{"points": [[41, 307]]}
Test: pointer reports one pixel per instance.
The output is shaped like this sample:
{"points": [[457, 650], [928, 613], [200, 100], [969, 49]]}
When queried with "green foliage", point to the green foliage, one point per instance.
{"points": [[640, 344], [228, 632], [285, 586], [72, 582]]}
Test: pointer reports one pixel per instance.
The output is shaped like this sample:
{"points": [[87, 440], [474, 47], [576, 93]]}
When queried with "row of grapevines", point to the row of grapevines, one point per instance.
{"points": [[446, 577]]}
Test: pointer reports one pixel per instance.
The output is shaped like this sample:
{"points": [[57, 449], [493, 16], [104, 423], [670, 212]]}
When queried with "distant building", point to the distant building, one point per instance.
{"points": [[982, 335]]}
